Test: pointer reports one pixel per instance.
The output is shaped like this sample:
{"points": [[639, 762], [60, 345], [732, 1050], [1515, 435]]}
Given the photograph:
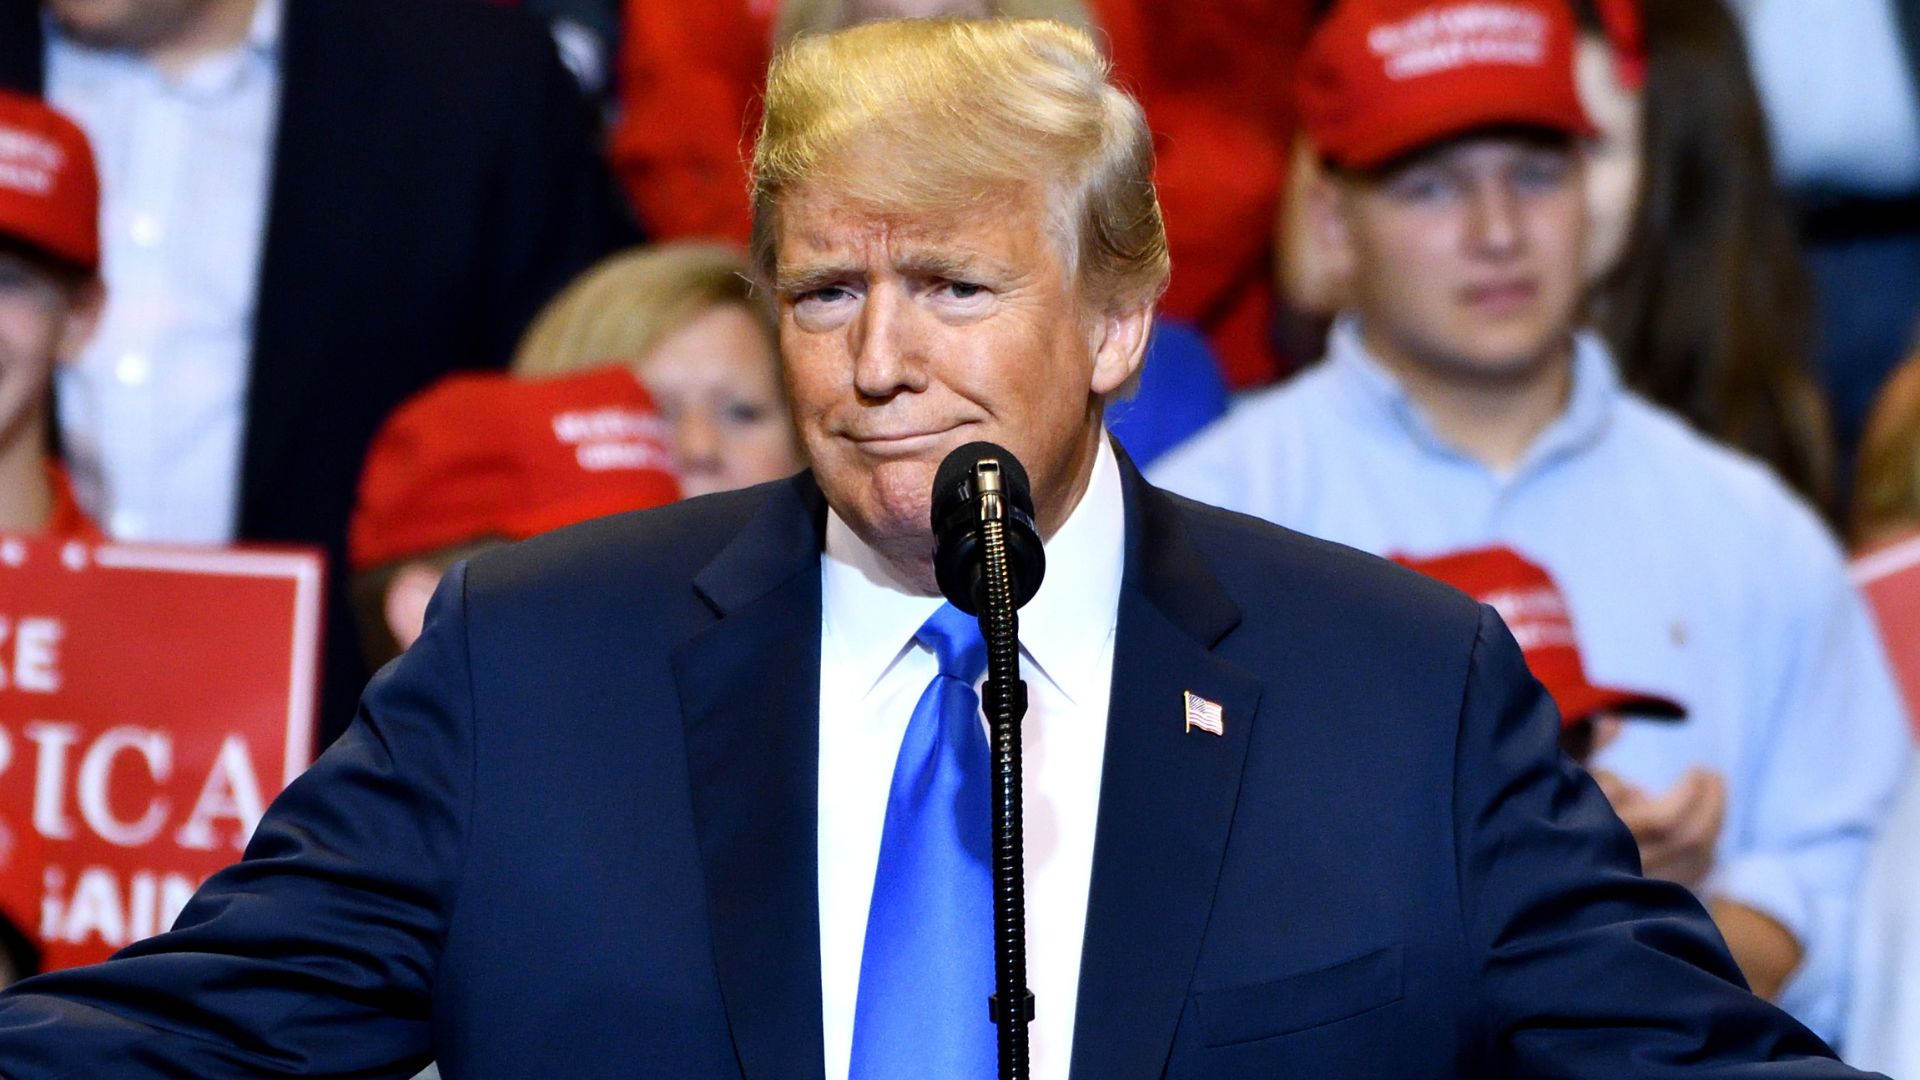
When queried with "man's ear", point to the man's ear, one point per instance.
{"points": [[1328, 225], [406, 602], [1120, 345], [84, 305]]}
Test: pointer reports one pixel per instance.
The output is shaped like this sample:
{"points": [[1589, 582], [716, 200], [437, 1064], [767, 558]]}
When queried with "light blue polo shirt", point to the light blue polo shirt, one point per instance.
{"points": [[1689, 570]]}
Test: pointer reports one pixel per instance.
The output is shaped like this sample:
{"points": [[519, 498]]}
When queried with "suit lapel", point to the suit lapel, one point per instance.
{"points": [[22, 47], [302, 260], [749, 702], [1167, 796]]}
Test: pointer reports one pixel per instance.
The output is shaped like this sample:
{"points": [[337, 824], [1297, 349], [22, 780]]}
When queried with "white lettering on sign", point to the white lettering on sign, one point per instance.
{"points": [[97, 908], [232, 791], [51, 741], [96, 770], [35, 645]]}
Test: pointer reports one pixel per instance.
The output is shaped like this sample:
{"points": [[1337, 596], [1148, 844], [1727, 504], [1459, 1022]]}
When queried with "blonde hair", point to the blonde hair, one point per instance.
{"points": [[961, 112], [619, 309], [1886, 497], [798, 17]]}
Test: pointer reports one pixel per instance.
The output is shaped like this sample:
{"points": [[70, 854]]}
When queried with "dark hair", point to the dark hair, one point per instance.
{"points": [[19, 954], [1709, 309], [68, 275]]}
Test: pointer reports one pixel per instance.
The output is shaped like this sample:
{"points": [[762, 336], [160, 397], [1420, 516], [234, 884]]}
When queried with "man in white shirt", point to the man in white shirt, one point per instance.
{"points": [[656, 796], [310, 210], [1458, 408]]}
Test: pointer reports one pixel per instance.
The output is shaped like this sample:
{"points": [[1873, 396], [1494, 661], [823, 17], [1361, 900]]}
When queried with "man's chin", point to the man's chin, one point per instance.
{"points": [[886, 505]]}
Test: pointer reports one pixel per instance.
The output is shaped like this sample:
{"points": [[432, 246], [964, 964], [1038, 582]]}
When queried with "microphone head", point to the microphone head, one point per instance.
{"points": [[958, 557], [953, 481]]}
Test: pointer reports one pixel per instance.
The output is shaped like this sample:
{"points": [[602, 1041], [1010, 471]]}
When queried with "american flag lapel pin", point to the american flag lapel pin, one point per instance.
{"points": [[1204, 714]]}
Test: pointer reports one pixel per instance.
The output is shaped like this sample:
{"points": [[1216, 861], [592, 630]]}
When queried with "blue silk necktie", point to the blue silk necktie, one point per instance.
{"points": [[927, 967]]}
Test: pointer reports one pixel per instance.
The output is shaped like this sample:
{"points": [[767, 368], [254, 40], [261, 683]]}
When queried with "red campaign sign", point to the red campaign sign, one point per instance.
{"points": [[1890, 577], [152, 702]]}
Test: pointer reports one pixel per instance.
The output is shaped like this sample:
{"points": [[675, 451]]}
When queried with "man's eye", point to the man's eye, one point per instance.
{"points": [[1423, 187], [964, 290], [744, 412], [826, 294], [1540, 175]]}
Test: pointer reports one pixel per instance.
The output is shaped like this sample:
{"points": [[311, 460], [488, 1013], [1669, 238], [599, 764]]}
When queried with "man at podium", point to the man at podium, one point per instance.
{"points": [[650, 797]]}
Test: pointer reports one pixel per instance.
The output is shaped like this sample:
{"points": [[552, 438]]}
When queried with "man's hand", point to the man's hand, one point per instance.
{"points": [[1676, 831]]}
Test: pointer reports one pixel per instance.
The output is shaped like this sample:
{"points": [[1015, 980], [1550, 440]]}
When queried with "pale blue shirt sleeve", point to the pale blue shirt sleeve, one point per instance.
{"points": [[1883, 1013], [1232, 462], [1824, 772]]}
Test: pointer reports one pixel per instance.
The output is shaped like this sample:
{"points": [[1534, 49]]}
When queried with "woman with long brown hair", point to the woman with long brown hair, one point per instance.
{"points": [[1700, 288]]}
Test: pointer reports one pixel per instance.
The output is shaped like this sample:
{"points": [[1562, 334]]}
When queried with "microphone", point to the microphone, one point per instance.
{"points": [[988, 561], [977, 483]]}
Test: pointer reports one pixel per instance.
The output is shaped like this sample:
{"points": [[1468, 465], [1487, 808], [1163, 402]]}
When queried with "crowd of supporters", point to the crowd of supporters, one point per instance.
{"points": [[1631, 364]]}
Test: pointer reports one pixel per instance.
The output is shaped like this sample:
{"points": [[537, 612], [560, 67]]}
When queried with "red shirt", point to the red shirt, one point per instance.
{"points": [[68, 519]]}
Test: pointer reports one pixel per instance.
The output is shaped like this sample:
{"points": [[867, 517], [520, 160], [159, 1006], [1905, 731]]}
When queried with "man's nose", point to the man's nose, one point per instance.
{"points": [[1497, 216], [888, 352]]}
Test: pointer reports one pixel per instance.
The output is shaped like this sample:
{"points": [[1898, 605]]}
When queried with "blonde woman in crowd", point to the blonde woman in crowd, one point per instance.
{"points": [[685, 318]]}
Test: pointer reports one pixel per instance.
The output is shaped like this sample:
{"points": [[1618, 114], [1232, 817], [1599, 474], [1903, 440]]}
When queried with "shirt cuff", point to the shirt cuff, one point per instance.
{"points": [[1768, 884]]}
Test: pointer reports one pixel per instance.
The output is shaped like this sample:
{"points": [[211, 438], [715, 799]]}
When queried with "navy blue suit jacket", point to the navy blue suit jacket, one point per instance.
{"points": [[571, 834]]}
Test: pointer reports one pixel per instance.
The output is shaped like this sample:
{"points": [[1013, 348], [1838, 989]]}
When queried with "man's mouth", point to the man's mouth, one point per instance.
{"points": [[902, 442], [1502, 297]]}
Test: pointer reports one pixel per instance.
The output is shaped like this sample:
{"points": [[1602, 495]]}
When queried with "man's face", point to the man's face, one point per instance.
{"points": [[43, 319], [908, 336], [1466, 259], [125, 24]]}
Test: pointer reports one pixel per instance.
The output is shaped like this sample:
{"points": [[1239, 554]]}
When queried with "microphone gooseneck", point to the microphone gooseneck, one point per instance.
{"points": [[988, 561]]}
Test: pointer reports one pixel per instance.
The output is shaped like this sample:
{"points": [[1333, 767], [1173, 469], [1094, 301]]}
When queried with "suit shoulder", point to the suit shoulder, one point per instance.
{"points": [[644, 548], [1274, 571]]}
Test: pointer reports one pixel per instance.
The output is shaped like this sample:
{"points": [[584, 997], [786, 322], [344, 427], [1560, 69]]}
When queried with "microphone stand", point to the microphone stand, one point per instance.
{"points": [[1005, 702]]}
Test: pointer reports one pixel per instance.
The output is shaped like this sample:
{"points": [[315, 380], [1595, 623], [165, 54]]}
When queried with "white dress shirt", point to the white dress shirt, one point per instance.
{"points": [[872, 673], [154, 412]]}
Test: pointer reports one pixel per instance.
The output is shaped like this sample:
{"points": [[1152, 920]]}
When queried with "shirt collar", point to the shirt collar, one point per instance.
{"points": [[213, 74], [1367, 383], [870, 616]]}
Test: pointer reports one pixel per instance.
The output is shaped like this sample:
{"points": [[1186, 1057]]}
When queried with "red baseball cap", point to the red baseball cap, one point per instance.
{"points": [[49, 191], [1382, 78], [1535, 611], [1627, 35], [489, 455]]}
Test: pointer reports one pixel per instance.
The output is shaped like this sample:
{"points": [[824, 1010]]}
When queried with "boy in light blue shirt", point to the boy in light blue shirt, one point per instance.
{"points": [[1458, 408]]}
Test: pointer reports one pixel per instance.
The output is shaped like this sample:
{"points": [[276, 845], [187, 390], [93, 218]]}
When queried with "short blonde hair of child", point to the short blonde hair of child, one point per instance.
{"points": [[960, 113], [624, 305]]}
